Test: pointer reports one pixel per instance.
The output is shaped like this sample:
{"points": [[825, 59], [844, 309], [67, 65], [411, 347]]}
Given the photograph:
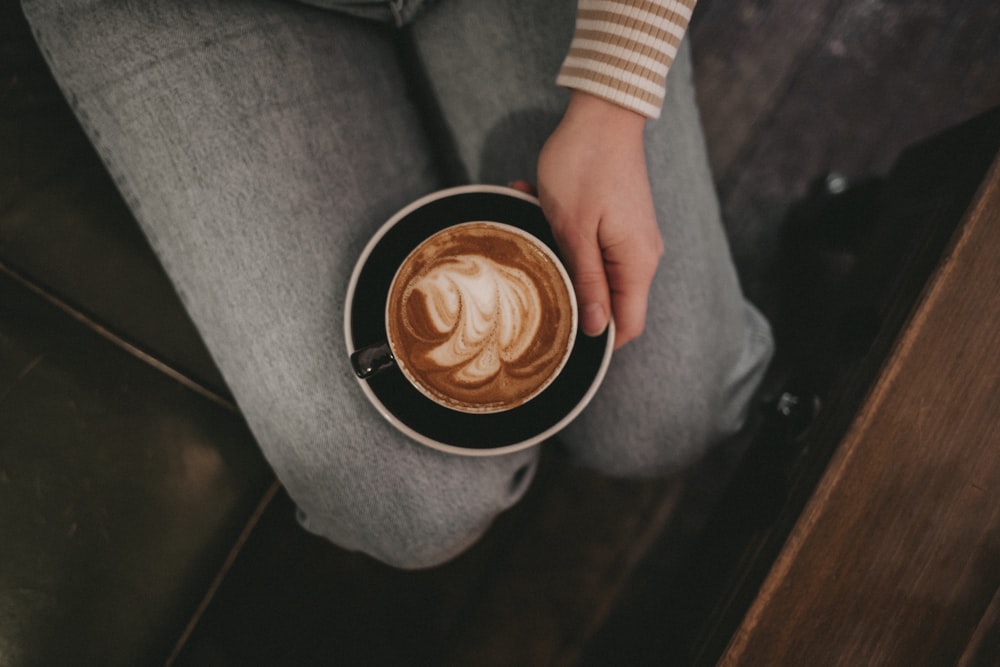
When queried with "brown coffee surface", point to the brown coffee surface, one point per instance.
{"points": [[480, 317]]}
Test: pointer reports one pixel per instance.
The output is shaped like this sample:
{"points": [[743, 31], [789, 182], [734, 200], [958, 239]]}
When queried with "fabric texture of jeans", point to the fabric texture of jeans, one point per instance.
{"points": [[261, 143]]}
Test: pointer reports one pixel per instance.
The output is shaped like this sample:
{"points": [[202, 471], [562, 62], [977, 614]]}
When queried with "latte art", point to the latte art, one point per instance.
{"points": [[488, 312], [480, 317]]}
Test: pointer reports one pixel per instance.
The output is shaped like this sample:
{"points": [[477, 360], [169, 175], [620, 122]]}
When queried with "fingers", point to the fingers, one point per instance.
{"points": [[611, 278], [613, 281], [630, 285], [585, 262], [591, 294], [523, 186]]}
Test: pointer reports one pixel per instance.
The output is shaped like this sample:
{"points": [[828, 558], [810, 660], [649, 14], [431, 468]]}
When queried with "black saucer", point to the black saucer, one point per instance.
{"points": [[408, 409]]}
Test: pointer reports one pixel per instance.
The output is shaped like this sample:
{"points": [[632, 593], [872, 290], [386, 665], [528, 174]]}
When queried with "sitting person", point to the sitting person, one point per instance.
{"points": [[261, 143]]}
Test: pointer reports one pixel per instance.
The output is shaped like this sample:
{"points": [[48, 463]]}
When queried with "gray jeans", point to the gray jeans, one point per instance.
{"points": [[261, 143]]}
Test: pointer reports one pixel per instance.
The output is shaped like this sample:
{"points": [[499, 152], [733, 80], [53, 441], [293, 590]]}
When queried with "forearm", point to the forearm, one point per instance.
{"points": [[622, 50]]}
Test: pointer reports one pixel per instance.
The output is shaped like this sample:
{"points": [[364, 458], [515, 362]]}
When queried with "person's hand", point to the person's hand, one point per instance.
{"points": [[594, 191]]}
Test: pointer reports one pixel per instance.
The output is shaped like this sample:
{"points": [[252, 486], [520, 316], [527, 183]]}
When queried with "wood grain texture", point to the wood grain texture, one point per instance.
{"points": [[789, 91], [984, 647], [896, 559], [529, 593]]}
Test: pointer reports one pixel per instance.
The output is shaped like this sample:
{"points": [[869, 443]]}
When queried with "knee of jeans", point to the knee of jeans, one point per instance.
{"points": [[413, 524], [431, 543], [642, 426], [672, 432]]}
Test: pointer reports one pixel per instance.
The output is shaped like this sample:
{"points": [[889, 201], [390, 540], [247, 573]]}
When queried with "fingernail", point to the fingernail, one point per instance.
{"points": [[593, 319]]}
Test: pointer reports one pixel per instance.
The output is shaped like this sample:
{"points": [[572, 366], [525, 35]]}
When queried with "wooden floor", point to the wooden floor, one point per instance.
{"points": [[792, 89], [789, 91], [896, 557]]}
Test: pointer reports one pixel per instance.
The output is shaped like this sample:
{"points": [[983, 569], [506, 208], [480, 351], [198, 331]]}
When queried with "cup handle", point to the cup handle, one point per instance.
{"points": [[372, 359]]}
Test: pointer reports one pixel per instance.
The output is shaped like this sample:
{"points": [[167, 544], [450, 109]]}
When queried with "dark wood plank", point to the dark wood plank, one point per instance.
{"points": [[790, 92], [121, 492], [984, 646], [747, 55], [531, 592], [561, 575], [896, 559], [694, 609]]}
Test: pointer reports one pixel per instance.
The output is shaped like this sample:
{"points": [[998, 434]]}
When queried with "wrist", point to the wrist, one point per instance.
{"points": [[594, 111]]}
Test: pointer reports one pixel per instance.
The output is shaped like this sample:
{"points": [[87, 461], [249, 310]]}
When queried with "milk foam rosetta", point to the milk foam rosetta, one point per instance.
{"points": [[488, 315], [482, 319]]}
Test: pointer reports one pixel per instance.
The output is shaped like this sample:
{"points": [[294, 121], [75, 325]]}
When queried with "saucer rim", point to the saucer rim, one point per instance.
{"points": [[385, 411]]}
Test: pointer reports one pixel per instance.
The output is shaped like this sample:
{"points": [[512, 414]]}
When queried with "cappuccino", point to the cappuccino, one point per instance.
{"points": [[481, 317]]}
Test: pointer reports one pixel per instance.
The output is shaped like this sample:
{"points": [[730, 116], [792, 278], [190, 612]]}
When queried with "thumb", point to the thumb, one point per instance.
{"points": [[586, 268]]}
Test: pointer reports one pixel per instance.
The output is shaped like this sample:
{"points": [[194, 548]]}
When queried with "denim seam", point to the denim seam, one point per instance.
{"points": [[396, 7]]}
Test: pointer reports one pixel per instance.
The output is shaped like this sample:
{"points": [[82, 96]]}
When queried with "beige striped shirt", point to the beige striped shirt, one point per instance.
{"points": [[623, 49]]}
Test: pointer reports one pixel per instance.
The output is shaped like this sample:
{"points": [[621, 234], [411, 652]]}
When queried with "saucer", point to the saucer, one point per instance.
{"points": [[404, 406]]}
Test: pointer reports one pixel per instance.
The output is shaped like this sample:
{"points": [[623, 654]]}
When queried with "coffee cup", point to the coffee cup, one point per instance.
{"points": [[462, 325], [481, 317]]}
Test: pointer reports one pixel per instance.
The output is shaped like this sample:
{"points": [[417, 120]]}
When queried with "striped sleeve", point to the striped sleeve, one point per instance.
{"points": [[623, 49]]}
